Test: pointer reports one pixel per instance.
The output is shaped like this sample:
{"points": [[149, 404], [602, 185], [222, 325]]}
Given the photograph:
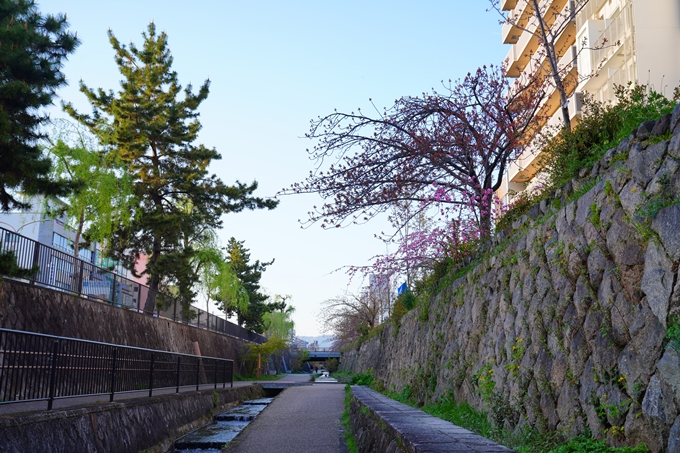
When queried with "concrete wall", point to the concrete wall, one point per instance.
{"points": [[563, 325], [35, 309], [657, 34], [149, 424]]}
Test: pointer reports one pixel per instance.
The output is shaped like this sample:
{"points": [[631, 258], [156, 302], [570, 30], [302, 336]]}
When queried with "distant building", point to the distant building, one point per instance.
{"points": [[299, 343], [57, 266], [608, 43]]}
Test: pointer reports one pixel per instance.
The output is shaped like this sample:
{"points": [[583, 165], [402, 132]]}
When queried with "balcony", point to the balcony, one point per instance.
{"points": [[521, 53], [604, 53], [523, 169], [507, 5]]}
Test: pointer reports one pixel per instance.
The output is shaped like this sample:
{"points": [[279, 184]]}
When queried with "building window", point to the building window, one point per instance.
{"points": [[62, 243]]}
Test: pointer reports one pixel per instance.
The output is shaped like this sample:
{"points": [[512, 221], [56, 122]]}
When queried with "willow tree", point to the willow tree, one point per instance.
{"points": [[151, 125], [104, 198]]}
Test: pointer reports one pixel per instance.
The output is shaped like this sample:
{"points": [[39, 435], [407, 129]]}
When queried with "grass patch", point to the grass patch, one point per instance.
{"points": [[348, 435], [263, 377], [529, 440]]}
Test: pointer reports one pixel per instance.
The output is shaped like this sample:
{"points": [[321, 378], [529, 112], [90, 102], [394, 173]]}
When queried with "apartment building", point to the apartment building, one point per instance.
{"points": [[602, 43]]}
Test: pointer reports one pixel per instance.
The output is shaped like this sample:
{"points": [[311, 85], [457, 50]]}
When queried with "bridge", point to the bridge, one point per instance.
{"points": [[318, 356], [321, 354]]}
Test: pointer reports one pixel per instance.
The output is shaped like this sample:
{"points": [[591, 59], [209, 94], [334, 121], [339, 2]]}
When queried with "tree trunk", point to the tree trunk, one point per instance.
{"points": [[154, 282], [76, 251], [552, 59]]}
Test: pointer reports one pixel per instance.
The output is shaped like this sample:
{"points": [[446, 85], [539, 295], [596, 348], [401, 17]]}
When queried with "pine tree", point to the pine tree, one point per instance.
{"points": [[151, 125], [249, 275], [32, 50]]}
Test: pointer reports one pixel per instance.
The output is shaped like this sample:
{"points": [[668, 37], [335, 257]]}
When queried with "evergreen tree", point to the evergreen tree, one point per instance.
{"points": [[151, 125], [249, 275], [32, 50]]}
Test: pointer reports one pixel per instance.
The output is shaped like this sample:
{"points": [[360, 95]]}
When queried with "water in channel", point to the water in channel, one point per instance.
{"points": [[226, 425]]}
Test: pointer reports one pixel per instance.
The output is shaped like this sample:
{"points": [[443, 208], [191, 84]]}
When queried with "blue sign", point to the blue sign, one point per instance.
{"points": [[402, 289]]}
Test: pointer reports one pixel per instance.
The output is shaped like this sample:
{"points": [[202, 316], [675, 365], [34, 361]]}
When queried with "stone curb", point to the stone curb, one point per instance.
{"points": [[404, 428]]}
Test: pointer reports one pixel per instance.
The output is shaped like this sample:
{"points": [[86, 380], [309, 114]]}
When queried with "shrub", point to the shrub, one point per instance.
{"points": [[602, 126]]}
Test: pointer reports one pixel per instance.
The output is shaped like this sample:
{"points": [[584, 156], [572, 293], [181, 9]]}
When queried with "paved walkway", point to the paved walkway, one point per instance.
{"points": [[300, 420]]}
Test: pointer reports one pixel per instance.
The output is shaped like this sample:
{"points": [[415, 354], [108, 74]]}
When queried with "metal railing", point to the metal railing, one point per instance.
{"points": [[38, 367], [63, 271]]}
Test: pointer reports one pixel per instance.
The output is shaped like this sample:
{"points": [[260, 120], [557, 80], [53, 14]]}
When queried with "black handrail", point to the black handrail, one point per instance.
{"points": [[64, 272], [39, 367]]}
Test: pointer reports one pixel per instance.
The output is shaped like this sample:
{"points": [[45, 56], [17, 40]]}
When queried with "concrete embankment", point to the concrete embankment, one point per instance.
{"points": [[149, 424]]}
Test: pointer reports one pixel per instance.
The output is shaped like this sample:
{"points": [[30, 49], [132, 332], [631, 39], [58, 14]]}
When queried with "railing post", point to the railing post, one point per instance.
{"points": [[216, 362], [113, 374], [151, 376], [231, 369], [224, 374], [113, 291], [36, 259], [179, 358], [53, 377], [80, 276], [198, 372]]}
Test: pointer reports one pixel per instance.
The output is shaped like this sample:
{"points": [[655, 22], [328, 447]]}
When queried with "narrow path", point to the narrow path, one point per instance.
{"points": [[299, 420]]}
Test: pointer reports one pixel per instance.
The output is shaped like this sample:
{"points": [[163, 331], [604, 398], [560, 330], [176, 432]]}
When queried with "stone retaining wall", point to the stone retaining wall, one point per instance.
{"points": [[149, 424], [35, 309], [563, 325]]}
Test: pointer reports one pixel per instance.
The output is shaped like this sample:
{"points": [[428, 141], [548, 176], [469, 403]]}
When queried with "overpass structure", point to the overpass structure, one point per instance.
{"points": [[321, 354]]}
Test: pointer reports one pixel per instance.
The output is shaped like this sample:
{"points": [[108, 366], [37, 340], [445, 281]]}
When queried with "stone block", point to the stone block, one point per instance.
{"points": [[643, 131], [657, 281], [645, 162], [662, 125], [665, 224]]}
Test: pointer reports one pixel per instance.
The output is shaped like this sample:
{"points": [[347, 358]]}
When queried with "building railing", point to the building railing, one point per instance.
{"points": [[62, 271], [37, 367]]}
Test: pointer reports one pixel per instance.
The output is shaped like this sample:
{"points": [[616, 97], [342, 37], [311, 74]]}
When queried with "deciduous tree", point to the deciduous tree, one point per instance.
{"points": [[104, 200], [549, 25], [349, 316], [436, 149]]}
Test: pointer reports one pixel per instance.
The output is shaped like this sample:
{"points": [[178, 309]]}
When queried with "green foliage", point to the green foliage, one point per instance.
{"points": [[332, 365], [662, 199], [278, 323], [150, 127], [362, 378], [602, 126], [408, 299], [523, 440], [520, 205], [348, 435], [252, 377], [485, 382], [586, 444], [9, 267], [673, 333], [249, 275], [104, 200], [34, 48]]}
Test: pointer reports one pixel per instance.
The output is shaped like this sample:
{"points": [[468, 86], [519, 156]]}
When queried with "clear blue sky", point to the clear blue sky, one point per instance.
{"points": [[273, 66]]}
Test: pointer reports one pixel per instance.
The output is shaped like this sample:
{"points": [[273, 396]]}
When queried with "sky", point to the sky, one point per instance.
{"points": [[273, 66]]}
